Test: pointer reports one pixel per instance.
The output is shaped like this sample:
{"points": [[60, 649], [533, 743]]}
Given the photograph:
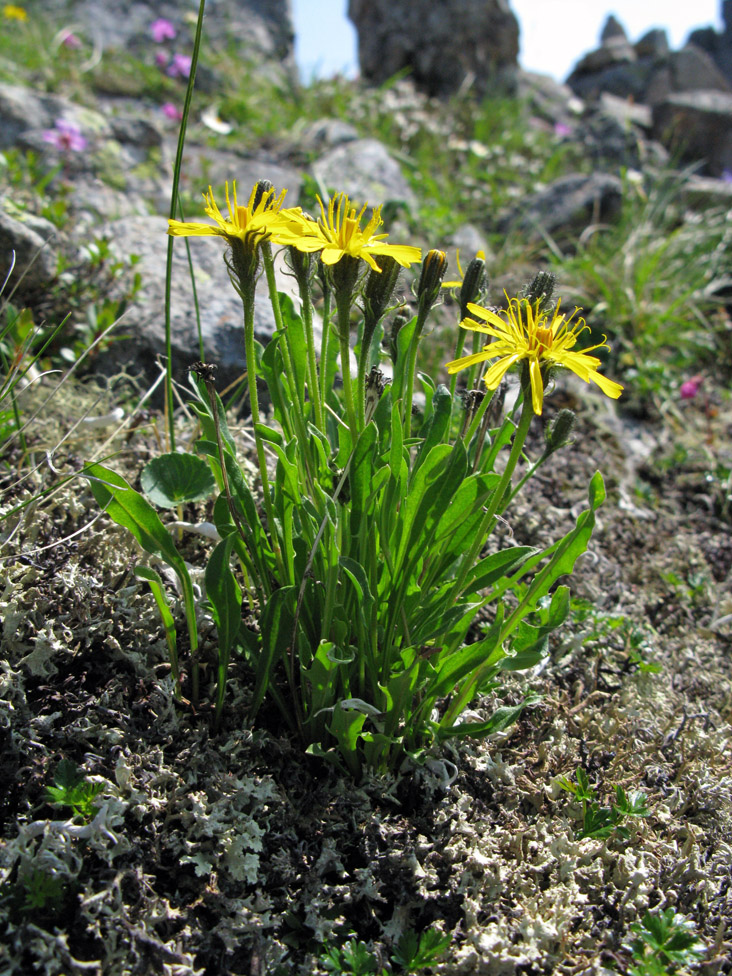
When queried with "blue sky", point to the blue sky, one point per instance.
{"points": [[554, 33]]}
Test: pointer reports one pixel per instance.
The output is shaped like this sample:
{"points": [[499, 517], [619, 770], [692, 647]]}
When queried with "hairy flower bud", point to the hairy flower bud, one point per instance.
{"points": [[539, 292], [434, 267], [474, 286], [262, 189], [559, 432], [378, 291]]}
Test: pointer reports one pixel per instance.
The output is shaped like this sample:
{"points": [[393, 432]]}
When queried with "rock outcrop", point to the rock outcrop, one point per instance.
{"points": [[441, 46]]}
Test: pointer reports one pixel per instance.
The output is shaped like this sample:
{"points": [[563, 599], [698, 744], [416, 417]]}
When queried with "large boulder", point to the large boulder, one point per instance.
{"points": [[647, 71], [717, 45], [698, 125], [442, 44]]}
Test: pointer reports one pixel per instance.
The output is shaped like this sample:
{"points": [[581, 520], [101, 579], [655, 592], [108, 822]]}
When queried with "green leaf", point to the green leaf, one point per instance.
{"points": [[224, 594], [175, 479], [276, 625], [501, 719], [133, 512], [434, 430], [492, 568], [158, 591]]}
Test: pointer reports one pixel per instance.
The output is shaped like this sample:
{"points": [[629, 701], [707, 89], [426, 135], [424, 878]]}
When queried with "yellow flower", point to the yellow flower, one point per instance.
{"points": [[11, 12], [338, 233], [528, 334], [259, 220]]}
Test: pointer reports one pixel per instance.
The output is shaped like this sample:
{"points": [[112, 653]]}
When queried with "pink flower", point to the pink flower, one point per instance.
{"points": [[562, 130], [162, 30], [70, 40], [161, 59], [171, 111], [180, 66], [66, 137], [690, 388]]}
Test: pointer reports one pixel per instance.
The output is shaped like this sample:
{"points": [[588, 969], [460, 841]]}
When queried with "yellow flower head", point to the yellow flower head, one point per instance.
{"points": [[11, 12], [338, 233], [258, 221], [529, 334]]}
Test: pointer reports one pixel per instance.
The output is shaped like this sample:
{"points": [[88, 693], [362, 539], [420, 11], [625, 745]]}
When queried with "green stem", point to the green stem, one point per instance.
{"points": [[313, 386], [248, 303], [489, 519], [343, 303], [275, 302], [324, 349], [411, 367]]}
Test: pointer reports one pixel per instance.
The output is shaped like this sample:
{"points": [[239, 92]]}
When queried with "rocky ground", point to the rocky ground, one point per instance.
{"points": [[231, 852]]}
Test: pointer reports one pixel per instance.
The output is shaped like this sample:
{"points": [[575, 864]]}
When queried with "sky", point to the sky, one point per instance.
{"points": [[554, 33]]}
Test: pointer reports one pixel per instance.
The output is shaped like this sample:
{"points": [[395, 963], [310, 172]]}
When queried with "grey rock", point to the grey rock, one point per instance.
{"points": [[567, 206], [615, 51], [444, 45], [653, 44], [717, 45], [612, 30], [626, 112], [687, 70], [220, 306], [698, 125], [258, 29], [550, 100], [365, 171], [326, 134], [204, 167], [33, 241]]}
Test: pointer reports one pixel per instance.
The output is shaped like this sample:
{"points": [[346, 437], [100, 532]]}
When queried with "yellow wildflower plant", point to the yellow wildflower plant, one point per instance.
{"points": [[531, 335], [259, 220], [338, 233], [13, 12]]}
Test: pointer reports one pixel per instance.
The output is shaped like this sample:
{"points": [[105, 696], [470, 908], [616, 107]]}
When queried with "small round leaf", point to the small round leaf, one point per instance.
{"points": [[173, 479]]}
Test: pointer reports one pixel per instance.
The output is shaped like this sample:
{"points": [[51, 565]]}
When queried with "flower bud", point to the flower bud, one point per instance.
{"points": [[434, 267], [399, 320], [559, 432], [475, 284], [539, 292], [262, 190], [378, 291]]}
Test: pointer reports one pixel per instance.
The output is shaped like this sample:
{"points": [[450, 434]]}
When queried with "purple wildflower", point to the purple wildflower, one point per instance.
{"points": [[162, 30], [171, 111], [180, 66], [66, 137], [562, 130], [161, 59], [690, 388], [70, 40]]}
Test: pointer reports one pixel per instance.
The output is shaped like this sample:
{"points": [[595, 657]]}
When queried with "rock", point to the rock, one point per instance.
{"points": [[444, 46], [687, 70], [626, 112], [259, 30], [612, 30], [33, 240], [220, 306], [699, 126], [566, 207], [550, 100], [365, 171], [717, 46], [326, 134], [653, 44]]}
